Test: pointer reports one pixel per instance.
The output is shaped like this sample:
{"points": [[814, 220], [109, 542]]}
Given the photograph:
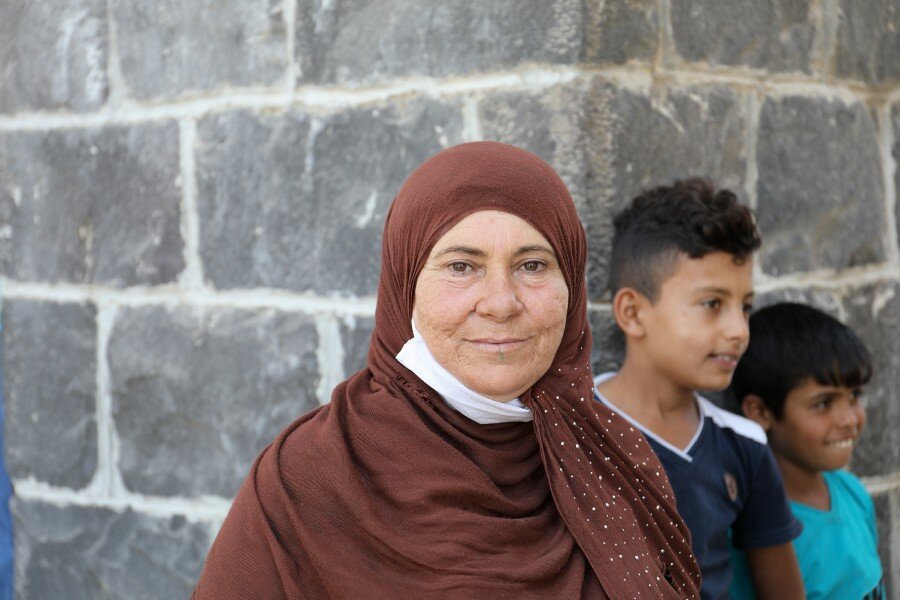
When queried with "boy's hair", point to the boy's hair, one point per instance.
{"points": [[662, 224], [790, 343]]}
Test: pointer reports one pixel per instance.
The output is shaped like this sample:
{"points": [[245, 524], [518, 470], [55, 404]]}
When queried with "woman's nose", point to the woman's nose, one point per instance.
{"points": [[500, 299]]}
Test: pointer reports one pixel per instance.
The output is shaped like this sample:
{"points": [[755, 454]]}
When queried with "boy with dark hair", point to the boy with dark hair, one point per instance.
{"points": [[681, 278], [801, 379]]}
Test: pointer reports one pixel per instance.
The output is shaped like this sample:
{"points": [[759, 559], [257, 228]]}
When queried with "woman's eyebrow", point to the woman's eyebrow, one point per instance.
{"points": [[534, 248], [481, 253]]}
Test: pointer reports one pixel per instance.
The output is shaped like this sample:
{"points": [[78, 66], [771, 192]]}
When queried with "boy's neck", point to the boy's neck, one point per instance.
{"points": [[658, 404], [804, 486]]}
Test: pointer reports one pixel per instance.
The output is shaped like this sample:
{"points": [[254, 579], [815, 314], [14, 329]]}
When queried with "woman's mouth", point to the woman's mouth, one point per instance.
{"points": [[498, 345]]}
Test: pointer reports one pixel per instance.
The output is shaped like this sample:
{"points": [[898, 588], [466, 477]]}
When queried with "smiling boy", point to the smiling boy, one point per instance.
{"points": [[681, 278], [801, 380]]}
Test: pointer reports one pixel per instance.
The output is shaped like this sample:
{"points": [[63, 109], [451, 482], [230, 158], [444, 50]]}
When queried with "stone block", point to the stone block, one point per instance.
{"points": [[637, 141], [868, 40], [86, 553], [291, 202], [551, 124], [616, 32], [356, 332], [54, 55], [871, 311], [50, 373], [198, 392], [776, 35], [169, 49], [819, 185], [94, 206], [370, 40], [822, 299], [895, 151]]}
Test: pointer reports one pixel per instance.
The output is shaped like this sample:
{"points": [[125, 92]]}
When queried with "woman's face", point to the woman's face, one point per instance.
{"points": [[491, 304]]}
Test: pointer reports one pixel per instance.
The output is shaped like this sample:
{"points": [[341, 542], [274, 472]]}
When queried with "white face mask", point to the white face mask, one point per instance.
{"points": [[416, 357]]}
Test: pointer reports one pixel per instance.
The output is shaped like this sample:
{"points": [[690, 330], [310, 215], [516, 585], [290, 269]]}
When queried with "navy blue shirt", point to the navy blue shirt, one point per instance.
{"points": [[724, 480]]}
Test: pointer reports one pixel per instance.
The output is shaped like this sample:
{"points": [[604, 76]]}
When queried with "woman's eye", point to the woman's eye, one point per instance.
{"points": [[460, 268], [532, 266]]}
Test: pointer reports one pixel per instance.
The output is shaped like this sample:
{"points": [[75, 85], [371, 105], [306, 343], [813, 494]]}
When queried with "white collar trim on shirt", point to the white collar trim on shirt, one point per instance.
{"points": [[684, 454], [416, 357]]}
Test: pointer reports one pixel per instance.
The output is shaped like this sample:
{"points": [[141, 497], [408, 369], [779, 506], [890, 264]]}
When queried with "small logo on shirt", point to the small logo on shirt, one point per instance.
{"points": [[731, 486]]}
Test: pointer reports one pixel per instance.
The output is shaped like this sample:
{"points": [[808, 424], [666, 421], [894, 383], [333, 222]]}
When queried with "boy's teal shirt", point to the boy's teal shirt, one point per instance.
{"points": [[838, 549]]}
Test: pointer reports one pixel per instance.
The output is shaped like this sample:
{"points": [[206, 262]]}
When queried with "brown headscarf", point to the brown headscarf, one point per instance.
{"points": [[386, 492]]}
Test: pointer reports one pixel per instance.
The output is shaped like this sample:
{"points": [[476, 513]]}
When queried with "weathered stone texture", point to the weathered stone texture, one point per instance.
{"points": [[887, 507], [97, 554], [290, 202], [49, 371], [550, 124], [92, 205], [608, 348], [825, 300], [872, 311], [772, 34], [197, 393], [637, 141], [895, 151], [820, 190], [370, 40], [356, 332], [616, 32], [868, 40], [53, 55], [169, 48]]}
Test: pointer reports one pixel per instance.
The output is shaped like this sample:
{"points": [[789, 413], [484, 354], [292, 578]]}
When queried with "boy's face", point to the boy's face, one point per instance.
{"points": [[697, 329], [819, 426]]}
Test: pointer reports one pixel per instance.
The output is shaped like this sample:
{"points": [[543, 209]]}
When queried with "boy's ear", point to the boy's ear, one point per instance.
{"points": [[626, 307], [756, 410]]}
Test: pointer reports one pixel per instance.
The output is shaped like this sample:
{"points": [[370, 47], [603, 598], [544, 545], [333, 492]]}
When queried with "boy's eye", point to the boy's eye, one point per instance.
{"points": [[748, 308], [712, 303], [856, 396]]}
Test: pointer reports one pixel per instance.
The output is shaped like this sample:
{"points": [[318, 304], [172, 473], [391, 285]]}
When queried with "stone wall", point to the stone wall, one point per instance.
{"points": [[192, 196]]}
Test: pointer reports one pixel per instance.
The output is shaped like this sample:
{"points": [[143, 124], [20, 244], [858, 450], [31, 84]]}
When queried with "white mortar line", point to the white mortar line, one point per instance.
{"points": [[828, 279], [335, 98], [204, 509], [889, 166], [601, 307], [107, 481], [168, 295], [666, 56], [471, 131], [882, 483], [823, 46], [192, 275], [330, 354], [289, 12]]}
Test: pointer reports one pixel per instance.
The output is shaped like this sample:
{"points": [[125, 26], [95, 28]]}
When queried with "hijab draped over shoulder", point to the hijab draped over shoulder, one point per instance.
{"points": [[387, 492]]}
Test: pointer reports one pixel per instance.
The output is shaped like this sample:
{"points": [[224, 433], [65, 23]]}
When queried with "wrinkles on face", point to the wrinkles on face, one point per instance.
{"points": [[491, 303]]}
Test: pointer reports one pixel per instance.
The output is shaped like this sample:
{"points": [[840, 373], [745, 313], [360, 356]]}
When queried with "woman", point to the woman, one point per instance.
{"points": [[467, 460]]}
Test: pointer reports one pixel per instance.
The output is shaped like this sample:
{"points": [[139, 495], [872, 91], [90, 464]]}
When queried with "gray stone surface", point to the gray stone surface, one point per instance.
{"points": [[820, 190], [96, 554], [825, 300], [550, 124], [49, 370], [91, 205], [356, 332], [608, 349], [616, 32], [886, 507], [370, 40], [53, 55], [872, 311], [868, 40], [638, 141], [895, 152], [169, 49], [770, 34], [289, 203], [197, 393]]}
